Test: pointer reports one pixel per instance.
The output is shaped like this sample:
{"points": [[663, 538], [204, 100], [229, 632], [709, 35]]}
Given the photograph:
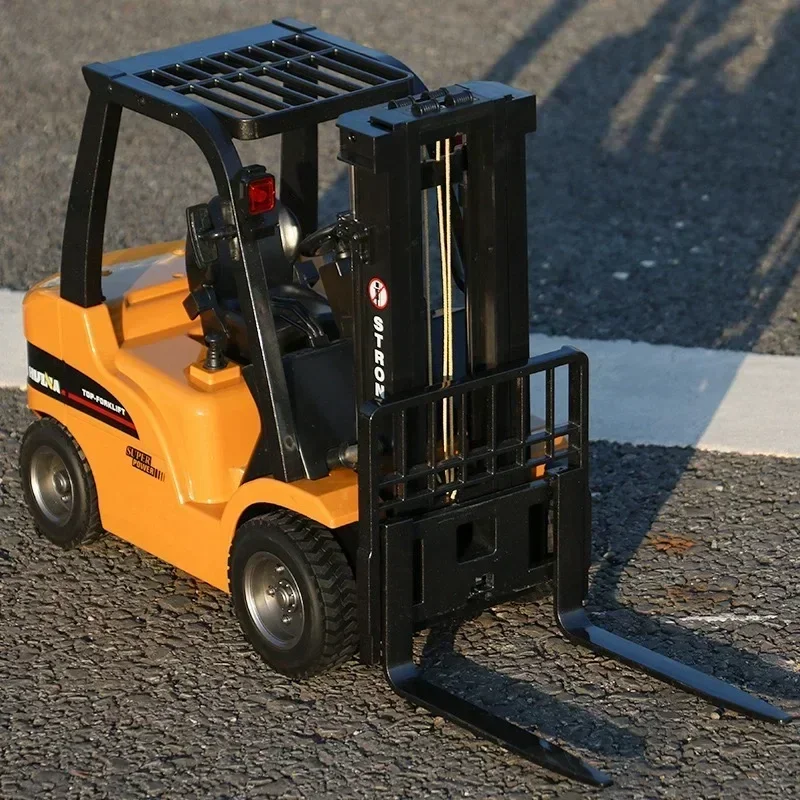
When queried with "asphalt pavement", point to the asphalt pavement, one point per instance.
{"points": [[662, 209], [665, 155], [123, 678]]}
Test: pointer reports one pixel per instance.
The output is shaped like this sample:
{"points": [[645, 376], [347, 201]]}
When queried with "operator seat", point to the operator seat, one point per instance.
{"points": [[303, 317]]}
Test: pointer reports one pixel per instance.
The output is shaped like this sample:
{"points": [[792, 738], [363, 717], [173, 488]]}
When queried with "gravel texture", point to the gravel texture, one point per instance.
{"points": [[121, 677], [663, 179]]}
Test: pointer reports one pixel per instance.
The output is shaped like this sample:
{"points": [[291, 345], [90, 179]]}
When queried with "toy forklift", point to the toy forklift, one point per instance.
{"points": [[286, 411]]}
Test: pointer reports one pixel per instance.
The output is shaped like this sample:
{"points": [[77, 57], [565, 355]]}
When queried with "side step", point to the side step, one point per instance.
{"points": [[572, 543]]}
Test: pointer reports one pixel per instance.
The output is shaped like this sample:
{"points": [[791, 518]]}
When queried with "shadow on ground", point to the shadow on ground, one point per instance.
{"points": [[717, 161]]}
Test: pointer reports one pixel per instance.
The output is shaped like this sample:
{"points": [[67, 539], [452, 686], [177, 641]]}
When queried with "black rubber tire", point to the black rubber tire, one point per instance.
{"points": [[83, 525], [318, 564]]}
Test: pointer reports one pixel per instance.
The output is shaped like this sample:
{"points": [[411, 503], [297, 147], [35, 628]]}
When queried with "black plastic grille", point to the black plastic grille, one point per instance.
{"points": [[254, 88], [495, 436]]}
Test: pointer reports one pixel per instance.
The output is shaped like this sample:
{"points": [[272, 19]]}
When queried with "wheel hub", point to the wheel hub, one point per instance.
{"points": [[286, 596], [51, 485], [273, 599], [62, 484]]}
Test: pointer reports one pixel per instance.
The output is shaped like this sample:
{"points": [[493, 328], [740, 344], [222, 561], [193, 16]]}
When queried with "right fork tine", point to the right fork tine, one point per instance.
{"points": [[571, 521]]}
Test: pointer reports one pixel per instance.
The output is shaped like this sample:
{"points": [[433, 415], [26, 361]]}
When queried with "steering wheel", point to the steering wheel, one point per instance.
{"points": [[326, 240], [320, 241]]}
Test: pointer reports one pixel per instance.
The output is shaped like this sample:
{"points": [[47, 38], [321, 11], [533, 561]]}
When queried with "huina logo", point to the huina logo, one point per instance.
{"points": [[43, 379]]}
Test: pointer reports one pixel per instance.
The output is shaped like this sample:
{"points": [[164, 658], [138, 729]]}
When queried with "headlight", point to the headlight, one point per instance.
{"points": [[290, 233]]}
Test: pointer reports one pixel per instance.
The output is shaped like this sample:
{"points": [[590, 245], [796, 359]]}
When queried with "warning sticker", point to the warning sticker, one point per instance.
{"points": [[378, 293]]}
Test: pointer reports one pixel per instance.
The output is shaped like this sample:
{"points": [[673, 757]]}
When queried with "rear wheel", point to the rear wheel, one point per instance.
{"points": [[58, 485], [293, 593]]}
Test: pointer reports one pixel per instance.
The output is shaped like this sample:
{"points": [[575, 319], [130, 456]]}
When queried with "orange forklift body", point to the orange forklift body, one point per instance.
{"points": [[194, 430]]}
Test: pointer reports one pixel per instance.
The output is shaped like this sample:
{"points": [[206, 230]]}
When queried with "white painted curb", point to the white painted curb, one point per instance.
{"points": [[13, 361], [640, 393], [690, 397]]}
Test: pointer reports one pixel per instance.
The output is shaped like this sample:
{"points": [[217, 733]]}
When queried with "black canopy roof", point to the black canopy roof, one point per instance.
{"points": [[260, 81]]}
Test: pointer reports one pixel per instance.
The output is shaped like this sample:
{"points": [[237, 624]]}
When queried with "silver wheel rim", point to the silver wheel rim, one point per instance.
{"points": [[52, 486], [273, 599]]}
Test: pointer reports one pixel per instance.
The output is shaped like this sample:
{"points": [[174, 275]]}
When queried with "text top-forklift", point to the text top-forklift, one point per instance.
{"points": [[283, 410]]}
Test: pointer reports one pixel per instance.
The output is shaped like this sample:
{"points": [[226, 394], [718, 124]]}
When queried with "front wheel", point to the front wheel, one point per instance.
{"points": [[293, 593]]}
